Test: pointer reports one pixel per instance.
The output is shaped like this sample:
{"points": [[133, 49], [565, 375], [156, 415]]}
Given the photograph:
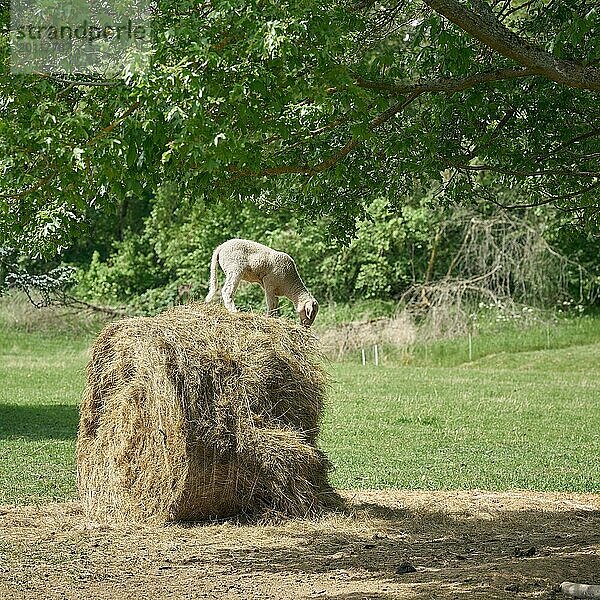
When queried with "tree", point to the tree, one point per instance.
{"points": [[320, 108]]}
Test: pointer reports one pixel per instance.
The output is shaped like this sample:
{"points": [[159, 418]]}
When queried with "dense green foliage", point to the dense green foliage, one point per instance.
{"points": [[175, 246], [317, 108], [166, 257]]}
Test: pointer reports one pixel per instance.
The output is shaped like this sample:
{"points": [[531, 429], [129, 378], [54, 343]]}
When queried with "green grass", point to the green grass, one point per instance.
{"points": [[41, 381], [527, 421], [518, 416], [510, 339]]}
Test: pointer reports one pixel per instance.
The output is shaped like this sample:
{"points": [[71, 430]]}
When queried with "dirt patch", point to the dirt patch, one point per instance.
{"points": [[473, 544]]}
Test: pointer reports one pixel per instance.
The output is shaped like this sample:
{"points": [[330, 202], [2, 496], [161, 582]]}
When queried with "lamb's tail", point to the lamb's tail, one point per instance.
{"points": [[214, 281]]}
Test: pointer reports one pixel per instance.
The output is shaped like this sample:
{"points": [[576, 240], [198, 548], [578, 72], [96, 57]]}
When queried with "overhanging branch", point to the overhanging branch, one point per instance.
{"points": [[578, 138], [550, 199], [481, 22], [446, 85], [539, 173], [337, 156], [409, 92]]}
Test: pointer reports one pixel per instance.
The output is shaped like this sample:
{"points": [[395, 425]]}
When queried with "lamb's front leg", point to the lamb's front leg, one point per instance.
{"points": [[272, 302]]}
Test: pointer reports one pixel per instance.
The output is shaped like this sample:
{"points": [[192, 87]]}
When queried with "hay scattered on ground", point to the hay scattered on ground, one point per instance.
{"points": [[198, 413], [464, 544]]}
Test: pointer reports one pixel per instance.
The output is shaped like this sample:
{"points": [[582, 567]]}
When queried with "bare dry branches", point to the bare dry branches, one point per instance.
{"points": [[502, 261]]}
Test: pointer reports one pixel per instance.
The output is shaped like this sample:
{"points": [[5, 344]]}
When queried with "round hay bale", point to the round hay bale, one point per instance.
{"points": [[199, 413]]}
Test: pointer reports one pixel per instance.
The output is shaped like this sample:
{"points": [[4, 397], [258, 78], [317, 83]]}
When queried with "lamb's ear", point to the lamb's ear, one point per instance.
{"points": [[312, 308], [308, 308]]}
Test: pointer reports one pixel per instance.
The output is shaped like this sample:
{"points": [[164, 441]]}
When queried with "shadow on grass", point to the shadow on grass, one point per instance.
{"points": [[46, 422]]}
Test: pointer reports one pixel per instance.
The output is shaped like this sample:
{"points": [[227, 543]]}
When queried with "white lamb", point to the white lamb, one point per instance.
{"points": [[275, 271]]}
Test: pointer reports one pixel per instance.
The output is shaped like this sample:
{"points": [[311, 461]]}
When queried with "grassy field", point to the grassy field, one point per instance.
{"points": [[520, 415], [41, 380], [530, 421]]}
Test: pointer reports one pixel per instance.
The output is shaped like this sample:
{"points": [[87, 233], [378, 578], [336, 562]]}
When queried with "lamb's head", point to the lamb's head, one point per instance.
{"points": [[307, 311]]}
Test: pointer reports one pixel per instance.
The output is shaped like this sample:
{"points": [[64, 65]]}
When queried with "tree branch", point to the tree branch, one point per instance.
{"points": [[334, 158], [574, 140], [507, 11], [449, 86], [492, 168], [550, 199], [36, 186], [482, 24], [72, 82], [493, 135], [113, 124]]}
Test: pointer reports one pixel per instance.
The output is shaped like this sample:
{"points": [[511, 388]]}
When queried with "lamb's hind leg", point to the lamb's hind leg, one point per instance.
{"points": [[232, 280]]}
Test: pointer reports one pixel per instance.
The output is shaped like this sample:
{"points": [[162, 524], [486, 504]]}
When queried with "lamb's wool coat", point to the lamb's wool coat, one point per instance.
{"points": [[275, 271]]}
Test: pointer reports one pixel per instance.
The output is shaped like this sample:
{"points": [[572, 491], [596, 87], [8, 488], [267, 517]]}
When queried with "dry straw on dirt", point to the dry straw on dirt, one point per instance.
{"points": [[198, 413]]}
